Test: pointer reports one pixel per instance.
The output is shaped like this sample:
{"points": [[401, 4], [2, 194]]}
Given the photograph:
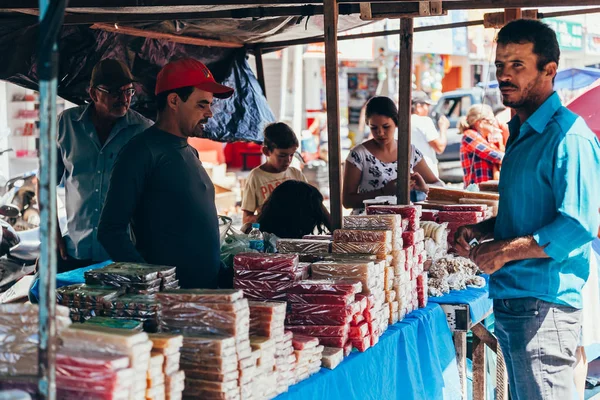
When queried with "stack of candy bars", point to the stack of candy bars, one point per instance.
{"points": [[88, 301], [414, 254], [267, 276], [267, 334], [380, 229], [92, 375], [164, 375], [134, 278], [84, 338], [328, 310], [216, 354], [19, 327], [304, 246], [308, 355]]}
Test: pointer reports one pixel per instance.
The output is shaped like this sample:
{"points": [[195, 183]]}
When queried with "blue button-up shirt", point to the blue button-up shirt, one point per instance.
{"points": [[84, 165], [549, 189]]}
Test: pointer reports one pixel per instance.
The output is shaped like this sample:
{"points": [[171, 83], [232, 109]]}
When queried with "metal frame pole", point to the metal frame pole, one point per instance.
{"points": [[51, 17], [404, 109], [332, 86]]}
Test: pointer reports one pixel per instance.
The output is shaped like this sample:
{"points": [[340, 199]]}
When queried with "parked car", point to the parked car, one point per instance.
{"points": [[455, 105]]}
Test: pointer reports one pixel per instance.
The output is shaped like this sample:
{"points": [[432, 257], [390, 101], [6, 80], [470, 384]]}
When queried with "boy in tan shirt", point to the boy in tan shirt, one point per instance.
{"points": [[279, 147]]}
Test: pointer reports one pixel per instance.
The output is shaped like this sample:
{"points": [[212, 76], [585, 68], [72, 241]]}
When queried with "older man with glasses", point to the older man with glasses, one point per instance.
{"points": [[89, 139]]}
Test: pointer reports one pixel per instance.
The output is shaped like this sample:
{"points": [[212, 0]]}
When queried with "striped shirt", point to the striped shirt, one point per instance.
{"points": [[550, 189]]}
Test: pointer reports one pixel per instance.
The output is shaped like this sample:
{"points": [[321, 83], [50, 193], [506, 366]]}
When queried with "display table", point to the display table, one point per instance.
{"points": [[465, 310], [414, 359]]}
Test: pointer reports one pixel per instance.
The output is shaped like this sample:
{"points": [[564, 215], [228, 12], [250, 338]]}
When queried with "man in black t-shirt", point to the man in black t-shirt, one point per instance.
{"points": [[159, 186]]}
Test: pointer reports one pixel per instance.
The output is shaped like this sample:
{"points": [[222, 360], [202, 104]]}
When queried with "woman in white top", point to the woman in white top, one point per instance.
{"points": [[372, 167]]}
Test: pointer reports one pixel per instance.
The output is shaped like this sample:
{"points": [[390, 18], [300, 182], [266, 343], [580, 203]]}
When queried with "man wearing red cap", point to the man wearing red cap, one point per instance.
{"points": [[160, 187], [89, 139]]}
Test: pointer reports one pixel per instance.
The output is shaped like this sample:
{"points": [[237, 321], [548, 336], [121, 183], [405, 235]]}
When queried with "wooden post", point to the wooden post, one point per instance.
{"points": [[330, 17], [479, 369], [460, 345], [404, 109], [260, 69]]}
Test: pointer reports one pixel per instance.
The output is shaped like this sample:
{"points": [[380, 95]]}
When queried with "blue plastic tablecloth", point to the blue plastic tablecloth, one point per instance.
{"points": [[414, 359], [477, 298], [65, 279]]}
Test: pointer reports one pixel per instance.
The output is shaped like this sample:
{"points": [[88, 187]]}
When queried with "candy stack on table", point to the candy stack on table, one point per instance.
{"points": [[387, 229], [326, 309], [134, 278], [267, 276], [19, 327], [308, 354], [216, 354], [272, 347], [85, 338], [366, 311], [166, 357], [413, 254]]}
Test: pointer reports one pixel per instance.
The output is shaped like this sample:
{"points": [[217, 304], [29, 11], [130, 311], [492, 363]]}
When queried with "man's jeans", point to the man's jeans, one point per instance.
{"points": [[539, 341]]}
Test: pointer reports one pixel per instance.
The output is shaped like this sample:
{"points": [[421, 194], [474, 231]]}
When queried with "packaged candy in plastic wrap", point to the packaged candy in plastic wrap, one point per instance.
{"points": [[308, 298], [410, 213], [271, 275], [364, 272], [266, 262], [209, 345], [338, 287], [466, 207], [274, 286], [318, 319], [302, 342], [466, 217], [88, 294], [373, 222], [381, 250], [199, 296], [320, 330], [359, 331], [264, 295], [116, 323], [325, 309], [430, 215], [318, 237], [121, 274], [410, 238], [305, 246], [362, 344], [332, 357], [332, 341], [353, 235]]}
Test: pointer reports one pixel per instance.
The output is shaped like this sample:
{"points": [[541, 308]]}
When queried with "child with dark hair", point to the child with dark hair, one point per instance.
{"points": [[293, 210], [279, 147]]}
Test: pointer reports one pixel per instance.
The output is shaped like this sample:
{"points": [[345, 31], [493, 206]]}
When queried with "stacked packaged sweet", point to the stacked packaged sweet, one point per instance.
{"points": [[304, 246], [92, 375], [216, 354], [164, 375], [88, 301], [86, 338], [267, 335], [332, 357], [414, 254], [308, 355], [19, 338], [266, 276], [329, 310], [135, 278], [388, 229], [264, 384]]}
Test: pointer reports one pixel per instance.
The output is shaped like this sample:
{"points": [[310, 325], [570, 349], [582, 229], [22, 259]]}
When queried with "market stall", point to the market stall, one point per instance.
{"points": [[427, 320]]}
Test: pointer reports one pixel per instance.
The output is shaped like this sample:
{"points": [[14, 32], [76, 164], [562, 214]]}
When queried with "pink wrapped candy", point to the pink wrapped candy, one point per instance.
{"points": [[342, 287], [266, 262], [308, 298], [320, 330]]}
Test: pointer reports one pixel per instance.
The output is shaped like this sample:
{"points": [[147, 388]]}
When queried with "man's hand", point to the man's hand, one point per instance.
{"points": [[489, 256], [463, 236], [443, 123]]}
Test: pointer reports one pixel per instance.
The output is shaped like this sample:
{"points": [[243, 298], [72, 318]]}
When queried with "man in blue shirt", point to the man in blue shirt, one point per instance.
{"points": [[537, 249], [89, 139]]}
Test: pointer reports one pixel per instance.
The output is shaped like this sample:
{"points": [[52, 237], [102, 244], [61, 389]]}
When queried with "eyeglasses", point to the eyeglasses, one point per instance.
{"points": [[115, 94]]}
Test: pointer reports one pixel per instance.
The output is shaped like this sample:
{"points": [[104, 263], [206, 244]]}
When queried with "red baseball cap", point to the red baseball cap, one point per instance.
{"points": [[189, 72]]}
